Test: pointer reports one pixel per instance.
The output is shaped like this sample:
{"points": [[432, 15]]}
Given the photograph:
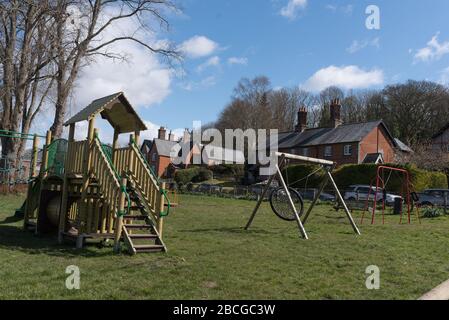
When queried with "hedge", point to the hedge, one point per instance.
{"points": [[348, 175], [196, 174]]}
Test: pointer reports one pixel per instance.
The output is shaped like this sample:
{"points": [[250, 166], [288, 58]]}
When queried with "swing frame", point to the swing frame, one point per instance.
{"points": [[328, 166], [380, 184]]}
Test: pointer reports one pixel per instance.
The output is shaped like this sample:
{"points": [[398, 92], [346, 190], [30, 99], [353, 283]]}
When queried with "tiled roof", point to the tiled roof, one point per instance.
{"points": [[347, 133]]}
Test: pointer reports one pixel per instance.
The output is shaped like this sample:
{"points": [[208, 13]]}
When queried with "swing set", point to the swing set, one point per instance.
{"points": [[288, 204], [408, 195]]}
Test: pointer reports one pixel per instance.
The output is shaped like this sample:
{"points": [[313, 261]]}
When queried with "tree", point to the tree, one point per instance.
{"points": [[81, 33], [26, 73], [324, 99], [415, 109]]}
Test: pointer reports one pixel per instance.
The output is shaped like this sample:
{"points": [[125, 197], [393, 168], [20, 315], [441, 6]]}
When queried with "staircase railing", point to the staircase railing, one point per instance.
{"points": [[147, 179], [107, 177]]}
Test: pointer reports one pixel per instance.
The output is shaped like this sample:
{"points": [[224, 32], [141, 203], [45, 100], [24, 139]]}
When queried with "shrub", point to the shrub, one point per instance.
{"points": [[183, 177], [431, 212], [296, 176], [202, 175], [352, 174]]}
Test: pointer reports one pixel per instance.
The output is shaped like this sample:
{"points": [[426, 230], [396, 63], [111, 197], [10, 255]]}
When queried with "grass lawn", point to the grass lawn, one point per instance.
{"points": [[211, 257]]}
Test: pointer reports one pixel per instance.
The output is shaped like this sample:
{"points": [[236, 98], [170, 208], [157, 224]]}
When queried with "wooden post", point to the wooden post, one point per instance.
{"points": [[131, 155], [119, 219], [32, 175], [34, 157], [115, 146], [45, 154], [86, 173], [65, 191], [292, 205], [264, 192], [160, 223], [342, 200], [137, 137]]}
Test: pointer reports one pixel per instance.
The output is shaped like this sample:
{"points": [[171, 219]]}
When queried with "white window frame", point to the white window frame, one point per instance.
{"points": [[328, 151], [347, 150]]}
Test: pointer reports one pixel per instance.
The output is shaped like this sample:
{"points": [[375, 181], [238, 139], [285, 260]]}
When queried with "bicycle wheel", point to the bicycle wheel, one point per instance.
{"points": [[280, 204]]}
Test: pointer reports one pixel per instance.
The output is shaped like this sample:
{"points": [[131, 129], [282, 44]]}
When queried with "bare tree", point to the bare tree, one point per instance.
{"points": [[26, 74], [81, 33], [415, 109]]}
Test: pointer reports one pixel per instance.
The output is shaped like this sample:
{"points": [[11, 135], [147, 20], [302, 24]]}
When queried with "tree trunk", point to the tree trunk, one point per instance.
{"points": [[58, 122]]}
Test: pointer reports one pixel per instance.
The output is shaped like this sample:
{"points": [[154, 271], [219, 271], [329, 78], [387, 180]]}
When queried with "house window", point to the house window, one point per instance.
{"points": [[348, 150], [153, 157], [328, 151]]}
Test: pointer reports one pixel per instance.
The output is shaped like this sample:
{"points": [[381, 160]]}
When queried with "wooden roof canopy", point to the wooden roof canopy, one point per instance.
{"points": [[114, 108]]}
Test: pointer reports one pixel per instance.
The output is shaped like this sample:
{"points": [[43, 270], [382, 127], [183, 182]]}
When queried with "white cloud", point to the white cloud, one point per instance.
{"points": [[360, 45], [292, 9], [345, 77], [142, 77], [198, 47], [211, 62], [237, 60], [203, 83], [433, 51], [347, 10]]}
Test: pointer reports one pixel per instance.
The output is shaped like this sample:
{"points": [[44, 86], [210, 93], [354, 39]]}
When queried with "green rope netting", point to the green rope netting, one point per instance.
{"points": [[57, 152]]}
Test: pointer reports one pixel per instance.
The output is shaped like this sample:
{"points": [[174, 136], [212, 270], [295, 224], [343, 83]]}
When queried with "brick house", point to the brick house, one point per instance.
{"points": [[356, 143], [440, 141], [159, 152]]}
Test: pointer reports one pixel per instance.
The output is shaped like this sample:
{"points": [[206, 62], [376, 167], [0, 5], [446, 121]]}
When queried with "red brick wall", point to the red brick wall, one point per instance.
{"points": [[338, 155], [377, 142], [162, 165]]}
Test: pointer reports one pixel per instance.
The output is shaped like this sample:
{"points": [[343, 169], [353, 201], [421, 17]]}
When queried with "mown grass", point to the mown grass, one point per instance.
{"points": [[211, 257]]}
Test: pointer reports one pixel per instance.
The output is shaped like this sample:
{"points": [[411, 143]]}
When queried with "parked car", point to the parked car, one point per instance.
{"points": [[434, 197], [361, 192]]}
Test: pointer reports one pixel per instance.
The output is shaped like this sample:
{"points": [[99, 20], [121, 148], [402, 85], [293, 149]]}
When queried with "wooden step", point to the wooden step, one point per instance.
{"points": [[149, 248], [143, 236], [138, 226], [130, 217]]}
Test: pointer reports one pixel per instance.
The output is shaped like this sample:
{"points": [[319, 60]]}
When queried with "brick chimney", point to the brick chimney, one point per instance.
{"points": [[335, 111], [302, 120], [171, 136], [162, 133], [186, 137]]}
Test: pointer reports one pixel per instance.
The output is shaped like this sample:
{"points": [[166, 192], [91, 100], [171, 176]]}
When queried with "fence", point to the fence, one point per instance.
{"points": [[354, 200]]}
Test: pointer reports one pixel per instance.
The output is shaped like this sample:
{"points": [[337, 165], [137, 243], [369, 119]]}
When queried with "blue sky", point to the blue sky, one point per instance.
{"points": [[310, 43]]}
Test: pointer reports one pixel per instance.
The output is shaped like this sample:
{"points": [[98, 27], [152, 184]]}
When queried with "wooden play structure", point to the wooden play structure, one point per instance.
{"points": [[294, 206], [86, 190]]}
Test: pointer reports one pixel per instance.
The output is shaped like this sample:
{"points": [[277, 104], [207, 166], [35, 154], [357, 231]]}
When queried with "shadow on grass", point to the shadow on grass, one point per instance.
{"points": [[231, 230], [16, 239], [12, 219]]}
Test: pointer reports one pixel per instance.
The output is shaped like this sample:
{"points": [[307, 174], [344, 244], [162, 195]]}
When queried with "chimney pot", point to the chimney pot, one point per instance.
{"points": [[302, 120], [162, 133], [335, 111]]}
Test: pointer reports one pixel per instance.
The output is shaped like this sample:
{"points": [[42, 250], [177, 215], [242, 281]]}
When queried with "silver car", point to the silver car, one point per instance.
{"points": [[361, 192], [434, 197]]}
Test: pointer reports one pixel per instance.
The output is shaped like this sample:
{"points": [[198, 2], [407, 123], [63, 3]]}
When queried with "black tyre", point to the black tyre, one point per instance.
{"points": [[280, 204]]}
